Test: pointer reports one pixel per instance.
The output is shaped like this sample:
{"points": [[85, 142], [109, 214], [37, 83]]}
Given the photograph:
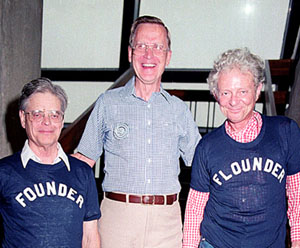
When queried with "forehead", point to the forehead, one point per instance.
{"points": [[41, 101], [235, 78], [149, 32]]}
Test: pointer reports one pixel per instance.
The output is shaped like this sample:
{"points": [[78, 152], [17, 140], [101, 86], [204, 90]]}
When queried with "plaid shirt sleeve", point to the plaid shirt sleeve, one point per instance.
{"points": [[196, 203], [293, 194]]}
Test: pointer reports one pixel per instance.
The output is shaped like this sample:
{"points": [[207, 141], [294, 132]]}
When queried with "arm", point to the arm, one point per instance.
{"points": [[90, 146], [91, 238], [83, 158], [193, 217], [189, 141], [293, 194]]}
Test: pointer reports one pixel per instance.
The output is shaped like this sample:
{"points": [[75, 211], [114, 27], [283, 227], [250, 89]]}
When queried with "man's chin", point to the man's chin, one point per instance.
{"points": [[148, 81]]}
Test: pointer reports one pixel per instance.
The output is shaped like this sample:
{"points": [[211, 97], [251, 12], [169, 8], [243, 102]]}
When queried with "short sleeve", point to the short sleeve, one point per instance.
{"points": [[189, 141], [92, 203], [200, 179], [293, 159], [91, 142]]}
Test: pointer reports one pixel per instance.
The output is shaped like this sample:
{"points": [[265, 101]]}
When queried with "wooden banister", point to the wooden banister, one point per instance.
{"points": [[193, 95], [280, 74], [269, 97], [70, 136], [280, 67]]}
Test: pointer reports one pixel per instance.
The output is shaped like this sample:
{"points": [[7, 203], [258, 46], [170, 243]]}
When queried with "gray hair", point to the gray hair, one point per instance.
{"points": [[151, 20], [42, 85], [241, 59]]}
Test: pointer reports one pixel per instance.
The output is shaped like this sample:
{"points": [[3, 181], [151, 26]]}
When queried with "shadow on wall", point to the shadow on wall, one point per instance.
{"points": [[15, 134]]}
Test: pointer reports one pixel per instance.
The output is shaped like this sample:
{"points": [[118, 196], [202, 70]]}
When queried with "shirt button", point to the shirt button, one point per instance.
{"points": [[149, 141], [148, 181], [149, 122], [149, 106], [149, 160]]}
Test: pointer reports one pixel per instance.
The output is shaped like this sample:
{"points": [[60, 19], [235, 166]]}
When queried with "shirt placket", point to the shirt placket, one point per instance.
{"points": [[148, 146]]}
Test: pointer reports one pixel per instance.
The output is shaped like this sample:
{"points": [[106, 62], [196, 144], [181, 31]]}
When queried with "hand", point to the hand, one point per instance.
{"points": [[296, 244]]}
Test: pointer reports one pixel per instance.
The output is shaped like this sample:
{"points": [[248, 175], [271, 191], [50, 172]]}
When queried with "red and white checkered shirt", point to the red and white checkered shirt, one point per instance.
{"points": [[197, 200]]}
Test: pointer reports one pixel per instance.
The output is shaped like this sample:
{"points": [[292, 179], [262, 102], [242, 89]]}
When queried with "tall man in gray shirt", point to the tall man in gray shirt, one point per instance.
{"points": [[143, 131]]}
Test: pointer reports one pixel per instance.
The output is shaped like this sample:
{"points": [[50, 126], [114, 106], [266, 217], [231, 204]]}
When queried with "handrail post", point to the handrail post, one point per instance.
{"points": [[269, 95]]}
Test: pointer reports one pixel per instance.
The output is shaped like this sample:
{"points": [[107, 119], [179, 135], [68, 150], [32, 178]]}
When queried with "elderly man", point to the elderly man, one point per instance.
{"points": [[243, 170], [143, 131], [48, 199]]}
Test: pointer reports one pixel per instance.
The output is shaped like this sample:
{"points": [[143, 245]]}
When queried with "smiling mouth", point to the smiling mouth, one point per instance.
{"points": [[148, 65], [44, 131], [235, 111]]}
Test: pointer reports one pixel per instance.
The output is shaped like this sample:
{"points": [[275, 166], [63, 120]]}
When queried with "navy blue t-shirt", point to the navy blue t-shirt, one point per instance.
{"points": [[45, 205], [246, 182]]}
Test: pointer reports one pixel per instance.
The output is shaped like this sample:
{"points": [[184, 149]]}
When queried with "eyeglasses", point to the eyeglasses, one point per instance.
{"points": [[39, 115], [141, 48]]}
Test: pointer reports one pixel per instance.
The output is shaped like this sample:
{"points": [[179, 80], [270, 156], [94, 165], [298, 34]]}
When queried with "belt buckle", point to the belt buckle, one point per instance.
{"points": [[146, 199]]}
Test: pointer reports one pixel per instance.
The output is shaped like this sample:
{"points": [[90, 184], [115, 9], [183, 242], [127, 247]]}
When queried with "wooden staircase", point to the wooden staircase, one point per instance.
{"points": [[279, 75]]}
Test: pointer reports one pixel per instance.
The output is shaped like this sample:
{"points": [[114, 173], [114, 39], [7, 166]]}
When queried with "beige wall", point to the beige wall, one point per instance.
{"points": [[87, 34]]}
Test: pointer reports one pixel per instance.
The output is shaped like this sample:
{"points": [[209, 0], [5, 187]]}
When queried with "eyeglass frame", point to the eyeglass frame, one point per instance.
{"points": [[152, 46], [43, 114]]}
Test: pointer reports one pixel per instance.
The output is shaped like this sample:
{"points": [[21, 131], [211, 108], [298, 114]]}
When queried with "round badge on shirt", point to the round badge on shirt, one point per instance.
{"points": [[121, 131]]}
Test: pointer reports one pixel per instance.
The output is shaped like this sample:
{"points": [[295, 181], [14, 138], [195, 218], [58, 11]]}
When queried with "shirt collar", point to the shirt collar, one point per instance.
{"points": [[129, 90], [28, 154], [249, 133]]}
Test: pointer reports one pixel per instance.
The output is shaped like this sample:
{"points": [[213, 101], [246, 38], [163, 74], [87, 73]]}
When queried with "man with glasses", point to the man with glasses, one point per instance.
{"points": [[47, 199], [143, 131]]}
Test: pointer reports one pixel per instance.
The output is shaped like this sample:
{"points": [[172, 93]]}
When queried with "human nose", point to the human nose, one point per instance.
{"points": [[149, 52], [46, 119], [233, 99]]}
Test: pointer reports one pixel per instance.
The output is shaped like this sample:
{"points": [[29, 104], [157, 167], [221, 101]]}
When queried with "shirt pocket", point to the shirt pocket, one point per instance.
{"points": [[166, 134]]}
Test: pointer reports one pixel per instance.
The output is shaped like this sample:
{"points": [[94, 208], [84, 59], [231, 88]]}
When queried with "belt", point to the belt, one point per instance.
{"points": [[143, 199]]}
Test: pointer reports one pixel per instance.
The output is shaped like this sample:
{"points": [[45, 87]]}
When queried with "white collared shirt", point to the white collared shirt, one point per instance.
{"points": [[27, 154]]}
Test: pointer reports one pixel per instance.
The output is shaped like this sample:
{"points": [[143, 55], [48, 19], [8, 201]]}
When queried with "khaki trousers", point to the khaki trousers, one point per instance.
{"points": [[131, 225]]}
